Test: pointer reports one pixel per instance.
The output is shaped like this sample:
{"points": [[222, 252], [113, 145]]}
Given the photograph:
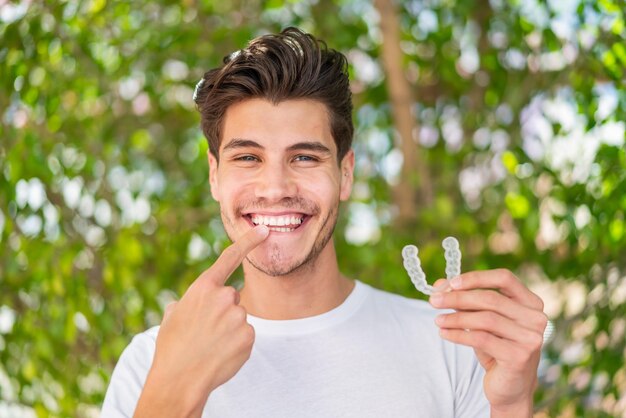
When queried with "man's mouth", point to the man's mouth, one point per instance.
{"points": [[278, 223]]}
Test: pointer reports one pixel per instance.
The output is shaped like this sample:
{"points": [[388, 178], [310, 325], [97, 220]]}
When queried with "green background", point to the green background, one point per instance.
{"points": [[518, 111]]}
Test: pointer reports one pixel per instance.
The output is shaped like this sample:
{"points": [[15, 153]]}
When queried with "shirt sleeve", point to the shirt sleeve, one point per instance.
{"points": [[129, 376]]}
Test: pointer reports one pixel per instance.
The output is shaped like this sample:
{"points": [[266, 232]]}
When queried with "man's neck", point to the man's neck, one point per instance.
{"points": [[311, 290]]}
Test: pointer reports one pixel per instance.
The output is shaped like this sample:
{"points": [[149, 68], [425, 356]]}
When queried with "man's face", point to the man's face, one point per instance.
{"points": [[278, 166]]}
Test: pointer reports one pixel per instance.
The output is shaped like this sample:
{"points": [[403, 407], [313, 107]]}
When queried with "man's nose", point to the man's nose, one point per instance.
{"points": [[275, 182]]}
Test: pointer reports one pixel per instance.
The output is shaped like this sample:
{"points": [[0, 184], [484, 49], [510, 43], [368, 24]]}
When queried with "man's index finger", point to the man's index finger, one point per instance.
{"points": [[234, 254]]}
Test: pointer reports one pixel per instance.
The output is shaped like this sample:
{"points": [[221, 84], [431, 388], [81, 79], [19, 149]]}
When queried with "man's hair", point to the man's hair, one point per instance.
{"points": [[278, 67]]}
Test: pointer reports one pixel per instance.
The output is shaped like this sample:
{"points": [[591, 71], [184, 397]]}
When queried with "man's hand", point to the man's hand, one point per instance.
{"points": [[203, 341], [504, 322]]}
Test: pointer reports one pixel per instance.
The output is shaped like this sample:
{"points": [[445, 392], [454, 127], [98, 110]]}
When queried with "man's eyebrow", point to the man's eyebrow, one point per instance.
{"points": [[310, 146], [242, 143]]}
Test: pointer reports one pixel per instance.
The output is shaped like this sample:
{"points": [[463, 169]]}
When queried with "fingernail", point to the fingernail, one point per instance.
{"points": [[439, 319], [262, 230], [456, 282], [436, 299]]}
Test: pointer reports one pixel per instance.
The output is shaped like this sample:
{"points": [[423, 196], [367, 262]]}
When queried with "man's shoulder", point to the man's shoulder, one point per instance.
{"points": [[130, 374], [150, 333], [144, 341]]}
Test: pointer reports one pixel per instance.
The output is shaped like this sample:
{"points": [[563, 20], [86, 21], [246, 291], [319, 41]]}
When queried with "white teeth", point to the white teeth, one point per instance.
{"points": [[276, 229], [277, 221]]}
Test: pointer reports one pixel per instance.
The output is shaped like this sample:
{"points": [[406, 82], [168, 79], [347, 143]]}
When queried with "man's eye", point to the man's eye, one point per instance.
{"points": [[247, 158], [305, 158]]}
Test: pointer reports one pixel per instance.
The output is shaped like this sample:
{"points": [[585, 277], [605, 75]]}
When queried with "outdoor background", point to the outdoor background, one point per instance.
{"points": [[498, 122]]}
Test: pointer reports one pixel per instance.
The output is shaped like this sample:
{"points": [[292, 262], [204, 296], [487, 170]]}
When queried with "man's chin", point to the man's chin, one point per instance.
{"points": [[275, 268]]}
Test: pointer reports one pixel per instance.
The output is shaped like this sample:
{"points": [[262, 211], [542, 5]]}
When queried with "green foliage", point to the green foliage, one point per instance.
{"points": [[106, 215]]}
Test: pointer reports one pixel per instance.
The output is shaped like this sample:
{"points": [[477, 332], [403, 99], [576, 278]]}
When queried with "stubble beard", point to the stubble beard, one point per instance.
{"points": [[275, 267]]}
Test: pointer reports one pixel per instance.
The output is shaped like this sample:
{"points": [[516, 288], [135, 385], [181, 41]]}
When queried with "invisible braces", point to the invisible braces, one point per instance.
{"points": [[452, 255], [413, 265]]}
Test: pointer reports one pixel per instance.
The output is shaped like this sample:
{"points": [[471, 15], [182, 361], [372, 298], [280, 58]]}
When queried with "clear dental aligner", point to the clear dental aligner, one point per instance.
{"points": [[413, 265], [452, 254]]}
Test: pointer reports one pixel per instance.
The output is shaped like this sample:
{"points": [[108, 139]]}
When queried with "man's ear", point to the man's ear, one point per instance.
{"points": [[347, 175], [215, 189]]}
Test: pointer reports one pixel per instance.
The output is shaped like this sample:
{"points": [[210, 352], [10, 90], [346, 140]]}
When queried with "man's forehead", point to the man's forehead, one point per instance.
{"points": [[306, 145], [259, 123], [287, 107]]}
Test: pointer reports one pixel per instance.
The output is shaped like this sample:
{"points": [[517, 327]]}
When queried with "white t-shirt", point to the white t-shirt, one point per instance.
{"points": [[376, 355]]}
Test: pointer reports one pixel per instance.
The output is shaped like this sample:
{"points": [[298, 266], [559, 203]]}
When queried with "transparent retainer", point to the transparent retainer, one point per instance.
{"points": [[413, 265]]}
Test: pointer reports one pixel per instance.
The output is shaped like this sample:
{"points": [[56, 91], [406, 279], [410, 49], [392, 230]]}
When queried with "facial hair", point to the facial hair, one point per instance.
{"points": [[275, 267]]}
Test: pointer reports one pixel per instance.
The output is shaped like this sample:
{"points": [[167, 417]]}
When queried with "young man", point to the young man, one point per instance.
{"points": [[300, 339]]}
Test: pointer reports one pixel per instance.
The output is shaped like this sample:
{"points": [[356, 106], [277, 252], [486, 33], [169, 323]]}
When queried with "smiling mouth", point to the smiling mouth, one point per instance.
{"points": [[278, 223]]}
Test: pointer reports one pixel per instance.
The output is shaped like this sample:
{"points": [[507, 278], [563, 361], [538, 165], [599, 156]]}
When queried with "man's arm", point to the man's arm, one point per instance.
{"points": [[504, 322], [203, 341]]}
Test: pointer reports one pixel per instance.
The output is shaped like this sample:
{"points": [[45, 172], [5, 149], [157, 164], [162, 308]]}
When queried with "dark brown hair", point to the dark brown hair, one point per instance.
{"points": [[278, 67]]}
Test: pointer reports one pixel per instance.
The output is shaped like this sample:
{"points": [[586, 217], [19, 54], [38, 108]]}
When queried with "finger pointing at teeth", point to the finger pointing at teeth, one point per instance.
{"points": [[204, 338], [233, 255]]}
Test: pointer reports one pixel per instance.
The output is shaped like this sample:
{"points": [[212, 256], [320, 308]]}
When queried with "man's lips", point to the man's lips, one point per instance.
{"points": [[284, 222]]}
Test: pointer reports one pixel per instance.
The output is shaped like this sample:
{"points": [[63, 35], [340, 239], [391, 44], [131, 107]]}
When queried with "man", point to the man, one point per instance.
{"points": [[300, 339]]}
